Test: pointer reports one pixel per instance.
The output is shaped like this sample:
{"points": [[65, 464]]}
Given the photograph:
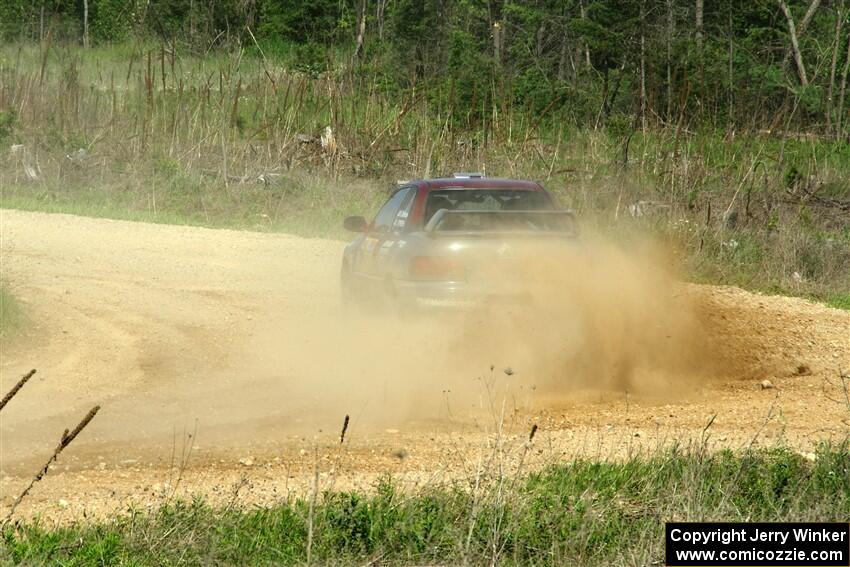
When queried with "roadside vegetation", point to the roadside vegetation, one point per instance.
{"points": [[582, 512], [723, 129], [10, 312], [839, 301], [231, 139]]}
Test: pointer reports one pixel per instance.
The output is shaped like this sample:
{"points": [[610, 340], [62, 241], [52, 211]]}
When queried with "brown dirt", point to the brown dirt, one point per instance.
{"points": [[223, 365]]}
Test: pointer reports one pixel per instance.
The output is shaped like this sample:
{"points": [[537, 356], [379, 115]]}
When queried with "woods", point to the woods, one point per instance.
{"points": [[721, 127], [743, 66]]}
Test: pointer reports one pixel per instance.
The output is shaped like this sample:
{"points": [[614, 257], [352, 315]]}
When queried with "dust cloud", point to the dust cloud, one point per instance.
{"points": [[593, 318], [239, 339]]}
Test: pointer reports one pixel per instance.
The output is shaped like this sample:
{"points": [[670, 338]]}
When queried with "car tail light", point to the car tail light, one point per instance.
{"points": [[436, 268]]}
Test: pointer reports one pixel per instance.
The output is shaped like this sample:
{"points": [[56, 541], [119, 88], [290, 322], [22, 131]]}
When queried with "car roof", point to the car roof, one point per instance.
{"points": [[478, 183]]}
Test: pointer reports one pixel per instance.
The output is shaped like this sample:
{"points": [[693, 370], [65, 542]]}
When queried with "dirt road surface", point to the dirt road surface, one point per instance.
{"points": [[224, 367]]}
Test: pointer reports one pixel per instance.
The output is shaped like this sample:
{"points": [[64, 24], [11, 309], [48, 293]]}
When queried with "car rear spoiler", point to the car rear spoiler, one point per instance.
{"points": [[480, 222]]}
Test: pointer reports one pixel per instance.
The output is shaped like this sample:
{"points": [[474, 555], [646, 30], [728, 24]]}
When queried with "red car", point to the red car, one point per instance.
{"points": [[451, 242]]}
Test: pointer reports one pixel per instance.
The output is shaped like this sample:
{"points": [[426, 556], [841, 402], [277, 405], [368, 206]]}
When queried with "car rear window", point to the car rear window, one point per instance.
{"points": [[486, 200]]}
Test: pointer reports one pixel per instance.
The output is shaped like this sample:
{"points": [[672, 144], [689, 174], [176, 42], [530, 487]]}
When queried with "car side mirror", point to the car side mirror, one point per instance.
{"points": [[355, 224]]}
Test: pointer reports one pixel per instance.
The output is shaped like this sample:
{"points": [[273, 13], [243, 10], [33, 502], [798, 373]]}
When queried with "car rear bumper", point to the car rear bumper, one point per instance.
{"points": [[457, 296]]}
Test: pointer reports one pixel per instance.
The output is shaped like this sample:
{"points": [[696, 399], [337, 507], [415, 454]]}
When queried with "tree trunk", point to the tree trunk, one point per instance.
{"points": [[586, 48], [609, 96], [801, 29], [563, 58], [844, 73], [804, 23], [795, 46], [699, 13], [497, 43], [361, 29], [670, 23], [839, 20], [602, 109], [731, 93], [540, 36], [85, 23], [380, 6], [643, 65]]}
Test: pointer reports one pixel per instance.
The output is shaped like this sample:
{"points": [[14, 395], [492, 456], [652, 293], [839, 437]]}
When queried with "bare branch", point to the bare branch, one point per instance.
{"points": [[795, 46], [16, 388], [63, 442]]}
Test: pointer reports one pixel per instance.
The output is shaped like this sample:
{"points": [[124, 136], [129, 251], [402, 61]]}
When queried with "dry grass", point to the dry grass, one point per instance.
{"points": [[138, 131]]}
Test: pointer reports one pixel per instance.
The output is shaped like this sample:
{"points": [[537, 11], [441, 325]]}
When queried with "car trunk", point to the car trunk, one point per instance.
{"points": [[498, 251]]}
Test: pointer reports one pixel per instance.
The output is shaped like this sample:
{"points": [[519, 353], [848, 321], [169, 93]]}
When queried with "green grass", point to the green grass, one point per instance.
{"points": [[298, 204], [839, 301], [582, 512], [10, 312]]}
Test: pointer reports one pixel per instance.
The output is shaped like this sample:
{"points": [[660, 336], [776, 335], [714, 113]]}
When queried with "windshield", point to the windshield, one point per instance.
{"points": [[486, 200]]}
